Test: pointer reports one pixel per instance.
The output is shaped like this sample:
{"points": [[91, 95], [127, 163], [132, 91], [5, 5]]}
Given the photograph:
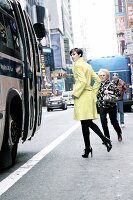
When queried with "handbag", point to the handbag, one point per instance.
{"points": [[110, 98]]}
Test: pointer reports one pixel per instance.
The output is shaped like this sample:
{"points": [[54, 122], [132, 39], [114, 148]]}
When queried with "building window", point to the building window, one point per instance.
{"points": [[119, 6]]}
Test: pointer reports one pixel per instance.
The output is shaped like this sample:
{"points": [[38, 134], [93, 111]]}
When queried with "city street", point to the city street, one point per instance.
{"points": [[51, 167], [51, 54]]}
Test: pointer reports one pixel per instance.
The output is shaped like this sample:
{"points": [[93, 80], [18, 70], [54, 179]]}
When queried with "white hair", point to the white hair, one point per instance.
{"points": [[104, 70]]}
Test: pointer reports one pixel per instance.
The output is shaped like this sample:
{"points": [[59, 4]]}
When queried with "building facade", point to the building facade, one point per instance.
{"points": [[59, 37], [124, 29], [124, 26], [61, 34], [61, 19]]}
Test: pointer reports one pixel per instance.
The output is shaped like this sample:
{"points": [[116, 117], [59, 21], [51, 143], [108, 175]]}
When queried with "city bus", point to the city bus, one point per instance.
{"points": [[121, 65], [20, 80]]}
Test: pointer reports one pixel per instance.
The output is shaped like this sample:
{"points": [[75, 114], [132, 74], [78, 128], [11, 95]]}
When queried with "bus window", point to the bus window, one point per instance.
{"points": [[8, 33], [15, 35], [2, 31], [6, 6]]}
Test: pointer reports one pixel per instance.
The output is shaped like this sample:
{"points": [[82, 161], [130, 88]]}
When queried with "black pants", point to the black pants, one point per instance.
{"points": [[86, 124], [112, 111]]}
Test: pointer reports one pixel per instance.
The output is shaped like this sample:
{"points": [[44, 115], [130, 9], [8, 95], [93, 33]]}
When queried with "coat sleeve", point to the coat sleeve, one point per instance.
{"points": [[97, 82], [125, 89], [80, 82]]}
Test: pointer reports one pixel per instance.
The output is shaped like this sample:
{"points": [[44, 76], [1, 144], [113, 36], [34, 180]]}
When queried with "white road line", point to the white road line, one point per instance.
{"points": [[16, 175]]}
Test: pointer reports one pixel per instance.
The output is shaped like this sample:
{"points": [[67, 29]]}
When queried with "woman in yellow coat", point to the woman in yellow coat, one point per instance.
{"points": [[84, 95]]}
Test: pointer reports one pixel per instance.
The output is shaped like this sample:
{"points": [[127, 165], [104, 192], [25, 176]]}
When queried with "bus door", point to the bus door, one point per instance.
{"points": [[33, 101], [21, 26], [36, 75]]}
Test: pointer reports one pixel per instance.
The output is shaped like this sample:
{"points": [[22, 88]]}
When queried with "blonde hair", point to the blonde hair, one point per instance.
{"points": [[104, 70]]}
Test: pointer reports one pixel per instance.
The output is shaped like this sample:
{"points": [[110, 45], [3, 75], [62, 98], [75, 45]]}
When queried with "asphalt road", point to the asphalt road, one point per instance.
{"points": [[62, 173]]}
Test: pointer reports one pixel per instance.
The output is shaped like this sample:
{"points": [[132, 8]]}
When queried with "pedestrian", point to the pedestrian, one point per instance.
{"points": [[123, 89], [109, 108], [85, 99]]}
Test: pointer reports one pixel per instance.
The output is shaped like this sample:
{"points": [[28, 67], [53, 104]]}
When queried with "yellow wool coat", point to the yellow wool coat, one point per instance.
{"points": [[85, 94]]}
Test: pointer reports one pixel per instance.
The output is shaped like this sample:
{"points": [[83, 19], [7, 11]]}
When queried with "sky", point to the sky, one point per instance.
{"points": [[94, 27]]}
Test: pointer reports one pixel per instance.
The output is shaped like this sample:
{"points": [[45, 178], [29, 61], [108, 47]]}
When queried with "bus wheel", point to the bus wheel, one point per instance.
{"points": [[10, 143], [13, 139]]}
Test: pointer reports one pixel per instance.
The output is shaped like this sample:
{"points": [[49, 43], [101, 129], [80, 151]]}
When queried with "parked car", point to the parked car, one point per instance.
{"points": [[56, 102], [67, 95]]}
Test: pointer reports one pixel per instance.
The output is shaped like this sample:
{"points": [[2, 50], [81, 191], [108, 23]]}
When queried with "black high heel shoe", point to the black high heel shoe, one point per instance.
{"points": [[107, 143], [87, 151]]}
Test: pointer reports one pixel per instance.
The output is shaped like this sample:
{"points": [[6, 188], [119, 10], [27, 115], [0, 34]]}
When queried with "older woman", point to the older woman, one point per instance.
{"points": [[85, 99], [108, 107]]}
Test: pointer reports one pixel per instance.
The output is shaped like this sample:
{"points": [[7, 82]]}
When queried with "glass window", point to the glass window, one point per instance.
{"points": [[119, 6], [9, 33], [15, 37], [3, 38]]}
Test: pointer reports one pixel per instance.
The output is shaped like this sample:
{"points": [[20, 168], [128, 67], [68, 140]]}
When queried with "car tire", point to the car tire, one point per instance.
{"points": [[64, 107]]}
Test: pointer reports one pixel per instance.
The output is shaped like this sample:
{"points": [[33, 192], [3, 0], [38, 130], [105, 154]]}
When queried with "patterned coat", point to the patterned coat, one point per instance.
{"points": [[112, 87], [84, 93]]}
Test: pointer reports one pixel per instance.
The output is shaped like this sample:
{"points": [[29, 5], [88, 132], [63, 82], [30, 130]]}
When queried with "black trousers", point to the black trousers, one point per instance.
{"points": [[86, 124], [112, 111]]}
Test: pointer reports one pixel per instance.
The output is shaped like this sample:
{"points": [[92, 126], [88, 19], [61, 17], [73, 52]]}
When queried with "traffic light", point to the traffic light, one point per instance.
{"points": [[38, 21], [39, 30]]}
